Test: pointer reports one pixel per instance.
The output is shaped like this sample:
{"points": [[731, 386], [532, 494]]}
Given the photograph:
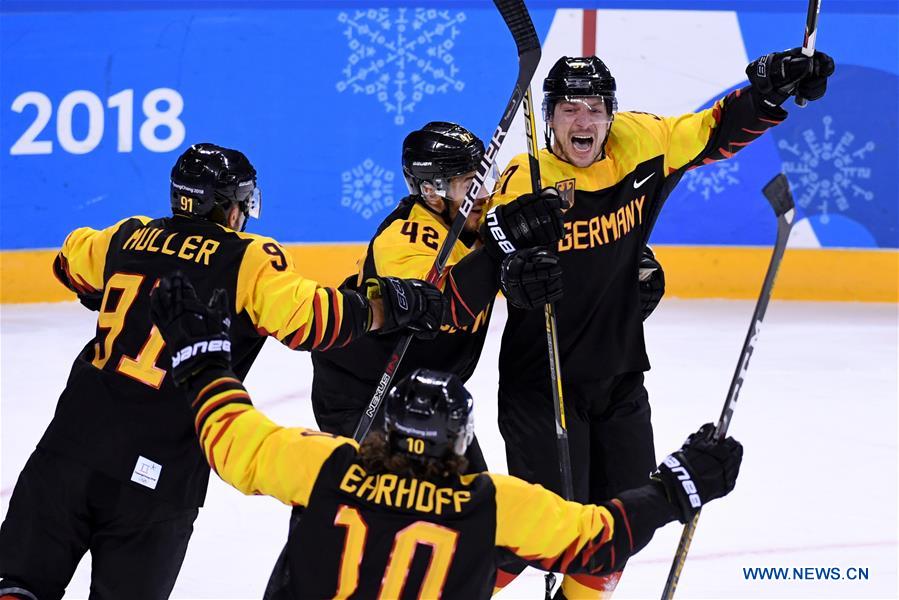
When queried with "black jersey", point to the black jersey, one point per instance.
{"points": [[615, 203], [384, 535], [405, 245], [120, 412]]}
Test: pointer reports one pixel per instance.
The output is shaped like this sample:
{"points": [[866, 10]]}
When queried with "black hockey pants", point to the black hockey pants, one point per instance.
{"points": [[60, 509], [609, 435]]}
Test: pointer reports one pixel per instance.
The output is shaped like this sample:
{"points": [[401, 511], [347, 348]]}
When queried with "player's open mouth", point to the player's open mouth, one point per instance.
{"points": [[582, 143]]}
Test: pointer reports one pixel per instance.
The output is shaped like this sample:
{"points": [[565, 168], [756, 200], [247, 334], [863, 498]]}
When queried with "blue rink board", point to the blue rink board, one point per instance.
{"points": [[320, 95]]}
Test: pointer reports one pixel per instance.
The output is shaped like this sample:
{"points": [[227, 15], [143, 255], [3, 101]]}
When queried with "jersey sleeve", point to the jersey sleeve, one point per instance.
{"points": [[567, 537], [80, 262], [469, 285], [249, 451], [297, 311], [717, 133]]}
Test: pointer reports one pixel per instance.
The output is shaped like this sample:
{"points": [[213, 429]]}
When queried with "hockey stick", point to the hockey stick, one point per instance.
{"points": [[517, 19], [808, 43], [777, 191], [552, 341]]}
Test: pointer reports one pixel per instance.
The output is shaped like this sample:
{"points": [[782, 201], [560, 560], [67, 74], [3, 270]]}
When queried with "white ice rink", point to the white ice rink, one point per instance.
{"points": [[817, 416]]}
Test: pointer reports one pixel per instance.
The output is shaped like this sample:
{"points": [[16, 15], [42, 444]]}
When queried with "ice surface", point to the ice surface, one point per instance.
{"points": [[817, 414]]}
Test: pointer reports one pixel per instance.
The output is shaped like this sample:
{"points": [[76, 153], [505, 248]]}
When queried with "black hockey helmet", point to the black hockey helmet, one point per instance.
{"points": [[429, 414], [436, 153], [207, 179], [577, 77]]}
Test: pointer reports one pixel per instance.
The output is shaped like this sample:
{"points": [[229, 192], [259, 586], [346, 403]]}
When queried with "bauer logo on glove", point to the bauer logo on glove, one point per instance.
{"points": [[704, 469], [497, 232], [686, 481], [200, 330], [200, 348], [529, 221]]}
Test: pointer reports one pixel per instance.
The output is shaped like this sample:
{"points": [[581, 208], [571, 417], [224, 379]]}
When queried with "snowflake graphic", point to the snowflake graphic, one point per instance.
{"points": [[400, 57], [827, 170], [714, 178], [367, 188]]}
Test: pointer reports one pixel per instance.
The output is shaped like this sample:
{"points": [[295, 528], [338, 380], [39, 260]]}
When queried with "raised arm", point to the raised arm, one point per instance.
{"points": [[567, 537], [80, 262], [304, 315], [241, 444], [743, 115], [469, 283]]}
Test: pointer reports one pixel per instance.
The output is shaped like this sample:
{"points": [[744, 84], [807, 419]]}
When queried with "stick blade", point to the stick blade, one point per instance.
{"points": [[779, 196]]}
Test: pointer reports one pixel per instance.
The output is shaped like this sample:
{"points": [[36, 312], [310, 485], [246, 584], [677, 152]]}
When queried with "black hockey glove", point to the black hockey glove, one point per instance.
{"points": [[528, 221], [813, 86], [408, 304], [531, 278], [652, 282], [196, 334], [702, 470], [779, 75]]}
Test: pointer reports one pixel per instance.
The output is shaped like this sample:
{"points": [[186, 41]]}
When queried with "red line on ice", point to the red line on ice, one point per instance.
{"points": [[788, 550]]}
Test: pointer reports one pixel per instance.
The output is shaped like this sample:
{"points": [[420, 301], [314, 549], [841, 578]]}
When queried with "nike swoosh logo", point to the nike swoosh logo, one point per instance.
{"points": [[639, 183]]}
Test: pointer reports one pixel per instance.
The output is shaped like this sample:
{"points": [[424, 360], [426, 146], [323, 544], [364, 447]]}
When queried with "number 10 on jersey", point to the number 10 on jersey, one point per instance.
{"points": [[441, 540]]}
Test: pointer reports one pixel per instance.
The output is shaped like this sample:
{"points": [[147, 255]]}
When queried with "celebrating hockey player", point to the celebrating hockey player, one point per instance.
{"points": [[395, 518], [616, 170], [439, 164], [118, 471]]}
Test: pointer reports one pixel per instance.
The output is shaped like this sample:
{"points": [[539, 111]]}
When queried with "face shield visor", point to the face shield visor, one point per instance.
{"points": [[485, 189], [445, 189], [491, 183], [249, 197], [595, 110], [460, 444]]}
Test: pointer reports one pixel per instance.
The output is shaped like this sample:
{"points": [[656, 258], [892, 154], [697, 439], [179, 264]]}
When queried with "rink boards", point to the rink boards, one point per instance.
{"points": [[691, 272], [98, 99]]}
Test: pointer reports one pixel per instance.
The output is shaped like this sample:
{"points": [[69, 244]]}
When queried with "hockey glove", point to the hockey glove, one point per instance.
{"points": [[196, 334], [652, 282], [779, 75], [531, 278], [702, 470], [410, 304], [813, 86], [528, 221]]}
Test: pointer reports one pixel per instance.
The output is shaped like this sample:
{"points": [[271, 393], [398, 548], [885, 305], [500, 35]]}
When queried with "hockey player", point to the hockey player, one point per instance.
{"points": [[617, 169], [439, 164], [395, 518], [118, 471]]}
